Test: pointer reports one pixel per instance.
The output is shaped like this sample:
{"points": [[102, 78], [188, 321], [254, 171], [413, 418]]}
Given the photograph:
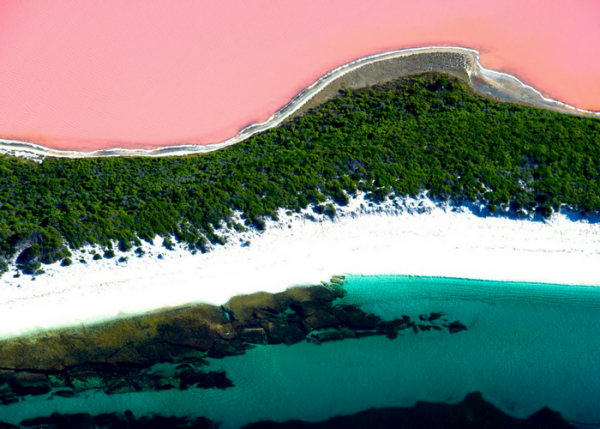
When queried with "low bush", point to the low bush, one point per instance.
{"points": [[404, 137], [109, 253]]}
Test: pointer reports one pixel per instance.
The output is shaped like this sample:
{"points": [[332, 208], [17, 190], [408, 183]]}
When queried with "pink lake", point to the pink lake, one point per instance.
{"points": [[95, 74]]}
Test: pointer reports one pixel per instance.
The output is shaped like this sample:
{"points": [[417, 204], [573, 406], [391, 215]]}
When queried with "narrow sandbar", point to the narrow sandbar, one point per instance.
{"points": [[460, 62]]}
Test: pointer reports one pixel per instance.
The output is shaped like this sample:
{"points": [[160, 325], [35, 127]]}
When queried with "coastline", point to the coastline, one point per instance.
{"points": [[409, 237], [489, 83]]}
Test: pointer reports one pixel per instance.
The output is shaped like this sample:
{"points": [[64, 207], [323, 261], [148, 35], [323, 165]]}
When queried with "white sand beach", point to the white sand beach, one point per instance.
{"points": [[414, 237]]}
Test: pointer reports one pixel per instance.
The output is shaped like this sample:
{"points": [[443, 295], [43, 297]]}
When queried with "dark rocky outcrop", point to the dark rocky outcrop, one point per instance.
{"points": [[355, 318], [283, 333], [30, 384], [472, 413], [455, 327], [5, 376], [202, 380], [7, 396], [331, 335], [137, 342], [117, 357], [315, 319], [254, 336], [110, 379], [222, 348], [87, 380]]}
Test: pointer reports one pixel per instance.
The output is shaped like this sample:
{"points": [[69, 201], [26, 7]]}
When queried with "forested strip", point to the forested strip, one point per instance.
{"points": [[401, 138]]}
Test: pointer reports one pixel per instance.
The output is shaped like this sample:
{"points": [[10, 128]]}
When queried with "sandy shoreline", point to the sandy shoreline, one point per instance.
{"points": [[487, 82], [414, 237]]}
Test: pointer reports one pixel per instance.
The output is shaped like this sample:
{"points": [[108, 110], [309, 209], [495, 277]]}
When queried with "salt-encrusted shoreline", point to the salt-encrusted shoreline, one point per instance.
{"points": [[408, 236], [489, 83]]}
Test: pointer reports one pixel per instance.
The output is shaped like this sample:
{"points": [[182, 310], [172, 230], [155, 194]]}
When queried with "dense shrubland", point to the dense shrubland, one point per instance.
{"points": [[422, 134]]}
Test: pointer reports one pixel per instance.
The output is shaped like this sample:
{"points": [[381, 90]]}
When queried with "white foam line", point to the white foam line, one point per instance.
{"points": [[285, 112]]}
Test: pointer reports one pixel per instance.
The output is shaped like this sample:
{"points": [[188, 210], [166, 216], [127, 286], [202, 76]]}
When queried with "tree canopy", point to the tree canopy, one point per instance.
{"points": [[424, 133]]}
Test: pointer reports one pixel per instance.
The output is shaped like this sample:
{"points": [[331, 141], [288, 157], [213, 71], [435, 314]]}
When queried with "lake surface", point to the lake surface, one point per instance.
{"points": [[526, 346], [96, 74]]}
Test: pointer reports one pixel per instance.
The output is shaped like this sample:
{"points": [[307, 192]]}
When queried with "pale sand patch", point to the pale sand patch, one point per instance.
{"points": [[414, 237]]}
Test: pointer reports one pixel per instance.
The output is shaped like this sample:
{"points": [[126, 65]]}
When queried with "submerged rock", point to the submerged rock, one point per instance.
{"points": [[434, 316], [455, 327], [472, 413], [283, 333], [121, 387], [355, 318], [223, 348], [316, 319], [116, 357], [30, 384], [64, 393], [58, 380], [113, 421], [390, 329], [331, 335], [186, 354], [87, 380], [7, 396], [167, 383], [205, 380], [5, 376], [254, 336]]}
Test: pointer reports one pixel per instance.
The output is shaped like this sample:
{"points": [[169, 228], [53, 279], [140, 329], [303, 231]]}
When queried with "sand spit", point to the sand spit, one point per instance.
{"points": [[405, 236], [461, 62]]}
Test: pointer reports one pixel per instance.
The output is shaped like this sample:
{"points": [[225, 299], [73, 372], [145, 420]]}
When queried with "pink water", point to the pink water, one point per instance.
{"points": [[105, 73]]}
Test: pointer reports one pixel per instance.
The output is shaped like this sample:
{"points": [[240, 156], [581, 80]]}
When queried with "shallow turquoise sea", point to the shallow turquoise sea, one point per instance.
{"points": [[527, 346]]}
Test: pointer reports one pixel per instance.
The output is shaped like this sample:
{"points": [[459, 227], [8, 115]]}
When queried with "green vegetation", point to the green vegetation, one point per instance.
{"points": [[422, 134], [3, 267], [97, 257], [167, 243], [326, 209], [66, 262], [30, 268]]}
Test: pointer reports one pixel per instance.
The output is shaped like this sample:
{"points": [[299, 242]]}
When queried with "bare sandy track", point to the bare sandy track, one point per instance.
{"points": [[461, 62]]}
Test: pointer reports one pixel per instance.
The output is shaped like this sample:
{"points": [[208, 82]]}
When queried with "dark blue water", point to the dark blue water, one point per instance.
{"points": [[526, 346]]}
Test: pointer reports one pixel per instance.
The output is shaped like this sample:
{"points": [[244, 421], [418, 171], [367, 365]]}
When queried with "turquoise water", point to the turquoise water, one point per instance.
{"points": [[527, 346]]}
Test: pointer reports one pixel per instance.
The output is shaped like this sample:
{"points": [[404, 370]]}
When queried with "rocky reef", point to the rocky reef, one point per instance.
{"points": [[121, 356], [111, 421], [171, 350], [472, 413]]}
